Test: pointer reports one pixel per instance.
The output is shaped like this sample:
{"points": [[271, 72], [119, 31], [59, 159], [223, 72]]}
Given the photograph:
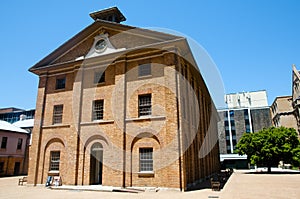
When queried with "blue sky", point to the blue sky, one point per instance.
{"points": [[253, 43]]}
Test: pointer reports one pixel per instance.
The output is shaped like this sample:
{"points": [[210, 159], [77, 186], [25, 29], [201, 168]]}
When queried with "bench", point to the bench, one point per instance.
{"points": [[215, 184], [22, 180]]}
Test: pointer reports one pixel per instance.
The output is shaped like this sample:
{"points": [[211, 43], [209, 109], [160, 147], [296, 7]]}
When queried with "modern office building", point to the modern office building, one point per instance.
{"points": [[123, 106], [13, 114], [247, 112]]}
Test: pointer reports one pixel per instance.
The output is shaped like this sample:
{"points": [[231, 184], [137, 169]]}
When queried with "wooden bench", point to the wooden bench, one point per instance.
{"points": [[22, 180], [215, 184]]}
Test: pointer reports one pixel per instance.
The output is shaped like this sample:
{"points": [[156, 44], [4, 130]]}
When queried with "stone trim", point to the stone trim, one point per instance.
{"points": [[149, 118], [146, 174], [97, 122], [56, 126]]}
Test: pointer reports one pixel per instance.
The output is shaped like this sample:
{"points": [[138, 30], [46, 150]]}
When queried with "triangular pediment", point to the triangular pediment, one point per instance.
{"points": [[117, 37]]}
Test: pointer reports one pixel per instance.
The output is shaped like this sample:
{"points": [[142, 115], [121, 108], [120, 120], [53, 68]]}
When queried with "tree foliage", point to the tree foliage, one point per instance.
{"points": [[269, 146]]}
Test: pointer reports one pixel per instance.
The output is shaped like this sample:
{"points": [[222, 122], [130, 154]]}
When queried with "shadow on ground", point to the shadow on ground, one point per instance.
{"points": [[221, 177]]}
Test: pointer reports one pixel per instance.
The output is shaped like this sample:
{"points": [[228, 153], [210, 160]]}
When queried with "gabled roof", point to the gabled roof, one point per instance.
{"points": [[24, 123], [9, 127], [89, 32]]}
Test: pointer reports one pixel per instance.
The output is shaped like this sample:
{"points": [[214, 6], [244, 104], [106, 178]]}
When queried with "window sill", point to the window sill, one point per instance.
{"points": [[145, 118], [146, 174], [144, 77], [59, 90], [56, 126], [97, 122], [99, 84], [53, 173]]}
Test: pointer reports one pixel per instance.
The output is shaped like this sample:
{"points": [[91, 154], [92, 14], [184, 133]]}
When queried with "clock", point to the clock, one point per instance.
{"points": [[100, 45]]}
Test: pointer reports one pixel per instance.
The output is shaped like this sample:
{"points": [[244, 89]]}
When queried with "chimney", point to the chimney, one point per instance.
{"points": [[111, 14]]}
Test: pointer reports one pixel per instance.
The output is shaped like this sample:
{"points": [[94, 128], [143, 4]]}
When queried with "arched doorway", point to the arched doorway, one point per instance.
{"points": [[96, 163]]}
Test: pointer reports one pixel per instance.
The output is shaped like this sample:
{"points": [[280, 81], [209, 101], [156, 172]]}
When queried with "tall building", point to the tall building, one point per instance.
{"points": [[247, 112], [123, 106]]}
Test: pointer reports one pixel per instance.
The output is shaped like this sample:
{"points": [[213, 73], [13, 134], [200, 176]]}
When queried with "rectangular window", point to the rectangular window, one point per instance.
{"points": [[193, 82], [226, 123], [146, 159], [144, 105], [1, 167], [183, 107], [57, 114], [60, 83], [232, 123], [144, 69], [182, 71], [4, 143], [226, 115], [246, 114], [227, 132], [247, 128], [234, 143], [185, 71], [54, 160], [99, 77], [231, 113], [20, 142], [233, 132], [98, 109]]}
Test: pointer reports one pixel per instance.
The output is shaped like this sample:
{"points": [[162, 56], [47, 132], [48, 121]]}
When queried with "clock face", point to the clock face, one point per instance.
{"points": [[100, 45]]}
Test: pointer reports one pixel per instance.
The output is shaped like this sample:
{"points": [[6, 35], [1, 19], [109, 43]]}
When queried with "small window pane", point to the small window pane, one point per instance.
{"points": [[60, 83], [54, 160], [1, 167], [4, 143], [146, 159], [98, 109], [57, 114], [144, 105], [231, 113], [99, 77], [19, 145], [145, 69]]}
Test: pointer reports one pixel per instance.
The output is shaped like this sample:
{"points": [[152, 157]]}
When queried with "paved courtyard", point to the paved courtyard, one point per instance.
{"points": [[241, 185]]}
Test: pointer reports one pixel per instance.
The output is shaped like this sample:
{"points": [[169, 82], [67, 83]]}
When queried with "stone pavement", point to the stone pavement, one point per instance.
{"points": [[241, 185]]}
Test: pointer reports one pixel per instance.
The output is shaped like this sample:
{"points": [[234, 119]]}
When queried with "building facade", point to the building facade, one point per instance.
{"points": [[13, 150], [296, 96], [247, 112], [283, 112], [123, 106]]}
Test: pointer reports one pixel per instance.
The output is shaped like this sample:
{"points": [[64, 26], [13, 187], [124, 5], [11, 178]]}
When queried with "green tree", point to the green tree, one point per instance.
{"points": [[269, 146]]}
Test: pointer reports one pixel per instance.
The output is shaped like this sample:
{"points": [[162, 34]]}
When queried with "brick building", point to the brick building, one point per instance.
{"points": [[123, 106]]}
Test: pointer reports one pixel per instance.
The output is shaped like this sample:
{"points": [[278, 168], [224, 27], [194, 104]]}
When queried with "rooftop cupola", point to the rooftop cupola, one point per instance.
{"points": [[111, 14]]}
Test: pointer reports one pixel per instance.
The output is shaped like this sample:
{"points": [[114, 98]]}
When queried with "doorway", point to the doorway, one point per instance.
{"points": [[96, 163], [17, 168]]}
